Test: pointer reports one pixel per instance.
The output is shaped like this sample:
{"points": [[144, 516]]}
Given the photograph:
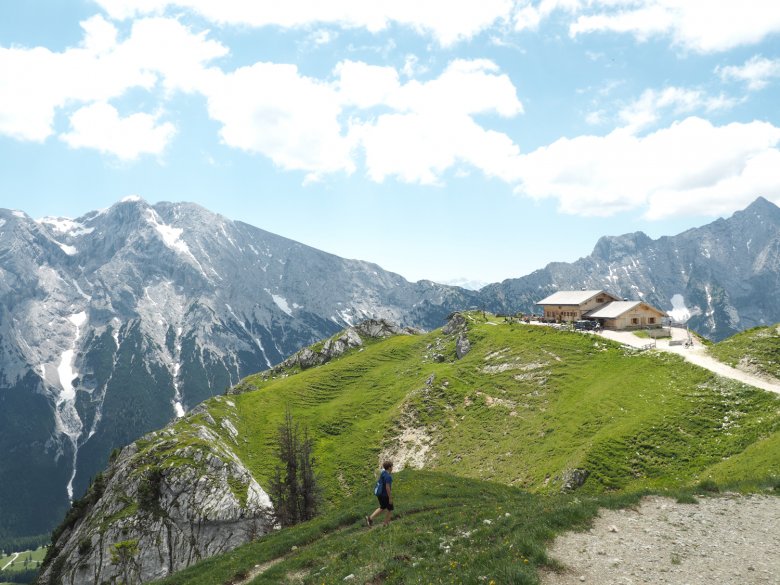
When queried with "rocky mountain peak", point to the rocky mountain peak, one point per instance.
{"points": [[615, 248], [117, 322]]}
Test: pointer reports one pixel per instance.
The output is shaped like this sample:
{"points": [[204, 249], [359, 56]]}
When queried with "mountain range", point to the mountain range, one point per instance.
{"points": [[115, 323], [719, 279]]}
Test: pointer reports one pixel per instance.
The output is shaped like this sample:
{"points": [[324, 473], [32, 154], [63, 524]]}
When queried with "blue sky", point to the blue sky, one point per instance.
{"points": [[442, 139]]}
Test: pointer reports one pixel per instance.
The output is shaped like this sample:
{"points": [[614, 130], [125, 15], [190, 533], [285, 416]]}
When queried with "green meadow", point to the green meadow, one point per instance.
{"points": [[22, 566], [757, 348], [499, 432]]}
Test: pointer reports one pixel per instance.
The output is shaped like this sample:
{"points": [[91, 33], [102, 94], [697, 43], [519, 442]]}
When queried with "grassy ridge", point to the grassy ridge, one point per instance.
{"points": [[758, 348], [525, 405]]}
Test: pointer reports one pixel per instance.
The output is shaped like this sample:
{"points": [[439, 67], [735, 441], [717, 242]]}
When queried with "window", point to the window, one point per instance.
{"points": [[651, 320], [634, 321]]}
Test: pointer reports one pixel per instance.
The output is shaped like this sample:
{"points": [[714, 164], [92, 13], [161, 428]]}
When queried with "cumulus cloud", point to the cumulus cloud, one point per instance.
{"points": [[449, 21], [691, 166], [321, 127], [273, 110], [652, 104], [36, 82], [757, 72], [699, 25], [529, 15], [318, 126], [99, 126], [432, 126]]}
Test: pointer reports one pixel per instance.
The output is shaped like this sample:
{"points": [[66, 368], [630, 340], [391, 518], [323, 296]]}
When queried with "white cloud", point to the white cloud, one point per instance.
{"points": [[700, 25], [99, 126], [703, 26], [412, 67], [418, 148], [273, 110], [319, 127], [432, 128], [756, 72], [449, 21], [652, 104], [530, 15], [365, 86], [322, 37], [692, 166], [35, 83]]}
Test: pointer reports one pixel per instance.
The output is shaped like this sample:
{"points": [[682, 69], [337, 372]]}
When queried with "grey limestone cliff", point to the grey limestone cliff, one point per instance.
{"points": [[165, 502]]}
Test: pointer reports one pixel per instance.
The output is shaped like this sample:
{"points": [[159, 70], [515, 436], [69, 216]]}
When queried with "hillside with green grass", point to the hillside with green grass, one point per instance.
{"points": [[447, 530], [756, 350], [523, 407], [527, 414]]}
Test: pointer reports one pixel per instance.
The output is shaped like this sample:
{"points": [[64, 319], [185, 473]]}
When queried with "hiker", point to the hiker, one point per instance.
{"points": [[383, 492]]}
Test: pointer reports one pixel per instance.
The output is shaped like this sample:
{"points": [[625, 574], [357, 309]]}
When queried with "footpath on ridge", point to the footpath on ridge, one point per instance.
{"points": [[696, 354]]}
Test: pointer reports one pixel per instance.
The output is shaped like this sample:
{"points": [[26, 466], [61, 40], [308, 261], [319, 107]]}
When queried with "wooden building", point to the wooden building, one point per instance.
{"points": [[572, 305], [627, 315], [598, 305]]}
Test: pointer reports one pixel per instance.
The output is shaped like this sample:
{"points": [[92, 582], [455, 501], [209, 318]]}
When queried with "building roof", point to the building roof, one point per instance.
{"points": [[616, 309], [572, 297]]}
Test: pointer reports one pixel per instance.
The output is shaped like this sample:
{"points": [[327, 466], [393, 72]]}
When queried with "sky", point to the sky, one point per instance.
{"points": [[451, 140]]}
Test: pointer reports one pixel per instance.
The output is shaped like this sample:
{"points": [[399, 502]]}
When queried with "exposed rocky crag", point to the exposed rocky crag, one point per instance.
{"points": [[113, 324], [334, 347], [171, 499], [721, 278]]}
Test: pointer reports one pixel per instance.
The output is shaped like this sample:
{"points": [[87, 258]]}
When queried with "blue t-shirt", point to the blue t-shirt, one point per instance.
{"points": [[386, 480]]}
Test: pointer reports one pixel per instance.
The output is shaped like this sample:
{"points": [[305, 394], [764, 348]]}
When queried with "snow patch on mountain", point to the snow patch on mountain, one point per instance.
{"points": [[67, 416], [65, 226], [69, 250], [171, 236], [679, 313], [281, 302], [65, 369]]}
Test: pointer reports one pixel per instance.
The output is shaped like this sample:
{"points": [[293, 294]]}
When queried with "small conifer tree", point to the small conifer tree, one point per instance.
{"points": [[294, 488]]}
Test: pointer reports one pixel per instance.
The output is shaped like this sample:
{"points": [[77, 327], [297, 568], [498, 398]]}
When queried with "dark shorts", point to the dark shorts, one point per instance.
{"points": [[384, 503]]}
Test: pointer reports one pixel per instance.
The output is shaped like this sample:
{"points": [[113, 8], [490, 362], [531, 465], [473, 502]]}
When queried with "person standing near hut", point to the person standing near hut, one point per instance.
{"points": [[384, 492]]}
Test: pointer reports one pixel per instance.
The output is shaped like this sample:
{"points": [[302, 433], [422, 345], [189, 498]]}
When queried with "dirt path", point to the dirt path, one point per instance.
{"points": [[728, 540], [258, 570], [16, 556], [696, 355]]}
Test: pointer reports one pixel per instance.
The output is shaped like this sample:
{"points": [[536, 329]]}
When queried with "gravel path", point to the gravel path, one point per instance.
{"points": [[726, 540], [696, 355], [11, 562]]}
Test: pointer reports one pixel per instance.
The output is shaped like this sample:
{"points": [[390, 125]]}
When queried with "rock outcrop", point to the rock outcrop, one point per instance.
{"points": [[462, 346], [167, 501], [334, 347]]}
